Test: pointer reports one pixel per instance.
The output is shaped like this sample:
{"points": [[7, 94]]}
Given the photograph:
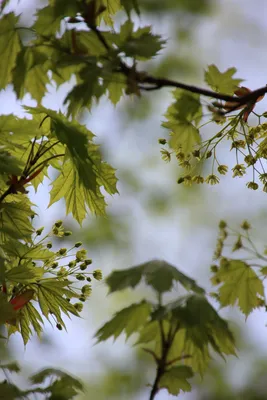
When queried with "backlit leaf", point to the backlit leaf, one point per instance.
{"points": [[25, 274], [14, 220], [75, 137], [77, 198], [184, 136], [176, 379], [222, 81], [240, 284], [10, 46]]}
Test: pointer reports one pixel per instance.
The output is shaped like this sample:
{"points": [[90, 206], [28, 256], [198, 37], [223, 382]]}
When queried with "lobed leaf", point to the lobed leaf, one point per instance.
{"points": [[175, 379], [158, 273], [239, 284], [128, 319], [222, 81]]}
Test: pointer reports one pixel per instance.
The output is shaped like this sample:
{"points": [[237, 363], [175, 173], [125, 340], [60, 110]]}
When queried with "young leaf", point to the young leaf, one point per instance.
{"points": [[49, 18], [83, 94], [24, 323], [128, 319], [241, 284], [187, 107], [176, 379], [222, 81], [30, 74], [24, 252], [75, 137], [77, 198], [25, 274], [130, 5], [15, 219], [10, 46], [51, 297], [184, 136]]}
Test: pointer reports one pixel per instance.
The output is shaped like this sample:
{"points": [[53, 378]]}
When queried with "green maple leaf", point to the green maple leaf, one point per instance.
{"points": [[116, 87], [77, 197], [111, 7], [184, 136], [130, 5], [42, 376], [10, 46], [15, 219], [52, 299], [157, 273], [187, 107], [9, 165], [88, 89], [76, 138], [23, 130], [30, 74], [141, 44], [222, 81], [240, 284], [201, 328], [24, 274], [49, 18], [128, 319], [24, 252], [176, 379]]}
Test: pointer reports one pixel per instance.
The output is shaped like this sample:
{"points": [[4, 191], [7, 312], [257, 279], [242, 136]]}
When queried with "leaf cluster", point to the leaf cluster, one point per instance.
{"points": [[180, 335], [61, 385], [239, 274]]}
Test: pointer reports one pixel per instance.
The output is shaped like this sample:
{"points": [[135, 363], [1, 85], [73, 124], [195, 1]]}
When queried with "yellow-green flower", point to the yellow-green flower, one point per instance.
{"points": [[222, 169], [212, 179], [239, 170], [252, 185], [198, 179]]}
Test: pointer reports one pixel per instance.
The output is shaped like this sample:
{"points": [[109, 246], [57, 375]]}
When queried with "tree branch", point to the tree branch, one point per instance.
{"points": [[148, 82]]}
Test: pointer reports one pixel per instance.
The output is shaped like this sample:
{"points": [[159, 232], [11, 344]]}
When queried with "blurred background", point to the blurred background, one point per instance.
{"points": [[153, 217]]}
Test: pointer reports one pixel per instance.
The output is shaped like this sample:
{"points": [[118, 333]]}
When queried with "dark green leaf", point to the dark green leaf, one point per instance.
{"points": [[142, 44], [41, 376], [158, 274]]}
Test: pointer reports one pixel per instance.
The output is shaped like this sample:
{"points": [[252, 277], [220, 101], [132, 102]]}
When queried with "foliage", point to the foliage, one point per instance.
{"points": [[180, 334], [61, 386], [77, 41]]}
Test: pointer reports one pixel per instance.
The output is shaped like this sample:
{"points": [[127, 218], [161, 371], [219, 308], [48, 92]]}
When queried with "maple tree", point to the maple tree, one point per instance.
{"points": [[78, 39]]}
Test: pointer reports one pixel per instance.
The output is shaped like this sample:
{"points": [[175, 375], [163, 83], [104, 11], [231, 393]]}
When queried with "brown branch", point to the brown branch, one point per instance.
{"points": [[158, 83], [148, 82]]}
